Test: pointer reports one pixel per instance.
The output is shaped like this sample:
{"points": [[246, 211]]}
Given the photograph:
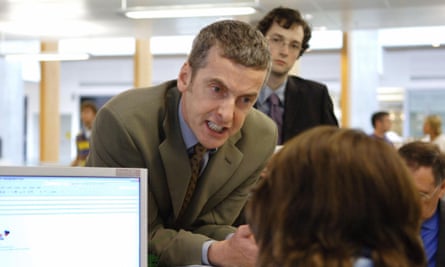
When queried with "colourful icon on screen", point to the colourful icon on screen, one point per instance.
{"points": [[4, 234]]}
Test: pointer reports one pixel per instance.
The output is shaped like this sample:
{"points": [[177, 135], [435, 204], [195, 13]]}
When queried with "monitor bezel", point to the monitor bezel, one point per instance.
{"points": [[110, 172]]}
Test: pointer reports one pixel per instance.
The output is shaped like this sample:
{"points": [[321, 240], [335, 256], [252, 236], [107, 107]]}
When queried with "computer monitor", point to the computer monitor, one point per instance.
{"points": [[73, 217]]}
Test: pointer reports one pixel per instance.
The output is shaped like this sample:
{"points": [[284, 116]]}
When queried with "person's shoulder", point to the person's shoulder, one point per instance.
{"points": [[363, 262], [259, 126], [137, 97], [258, 135], [145, 91], [139, 104], [80, 136], [442, 206], [259, 121], [292, 79], [441, 137]]}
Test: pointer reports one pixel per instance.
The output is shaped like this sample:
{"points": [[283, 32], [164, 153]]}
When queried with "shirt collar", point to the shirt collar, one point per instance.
{"points": [[431, 223], [266, 91], [187, 134]]}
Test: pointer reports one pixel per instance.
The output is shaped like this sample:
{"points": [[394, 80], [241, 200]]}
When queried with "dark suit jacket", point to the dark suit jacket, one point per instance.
{"points": [[306, 104], [440, 256], [140, 128]]}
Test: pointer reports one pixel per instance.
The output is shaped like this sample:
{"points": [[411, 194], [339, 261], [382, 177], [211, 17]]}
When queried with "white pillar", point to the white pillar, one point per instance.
{"points": [[364, 54], [12, 106]]}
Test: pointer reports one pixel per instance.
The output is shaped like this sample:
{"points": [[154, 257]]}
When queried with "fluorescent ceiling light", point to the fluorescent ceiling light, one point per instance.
{"points": [[183, 11], [46, 57], [326, 40], [412, 36]]}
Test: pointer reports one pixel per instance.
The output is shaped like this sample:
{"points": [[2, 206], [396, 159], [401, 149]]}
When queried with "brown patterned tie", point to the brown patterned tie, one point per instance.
{"points": [[195, 163]]}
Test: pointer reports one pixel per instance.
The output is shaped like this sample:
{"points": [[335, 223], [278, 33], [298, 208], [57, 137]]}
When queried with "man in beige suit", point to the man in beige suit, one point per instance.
{"points": [[210, 103]]}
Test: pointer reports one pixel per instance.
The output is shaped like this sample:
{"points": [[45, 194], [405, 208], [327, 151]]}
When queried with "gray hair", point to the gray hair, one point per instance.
{"points": [[237, 40]]}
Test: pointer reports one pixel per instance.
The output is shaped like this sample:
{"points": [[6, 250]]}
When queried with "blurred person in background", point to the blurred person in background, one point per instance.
{"points": [[381, 122], [432, 128], [88, 112]]}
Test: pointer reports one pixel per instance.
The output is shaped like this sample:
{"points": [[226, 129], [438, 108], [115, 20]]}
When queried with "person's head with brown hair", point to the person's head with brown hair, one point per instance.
{"points": [[235, 40], [331, 196], [432, 126], [427, 165], [221, 80], [287, 18], [88, 112]]}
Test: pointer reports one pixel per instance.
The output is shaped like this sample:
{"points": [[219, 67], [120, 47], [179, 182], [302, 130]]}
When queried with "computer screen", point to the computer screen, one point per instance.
{"points": [[73, 217]]}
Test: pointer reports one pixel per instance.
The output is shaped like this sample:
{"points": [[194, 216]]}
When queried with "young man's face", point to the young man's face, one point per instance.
{"points": [[285, 46], [216, 102], [385, 124], [87, 116]]}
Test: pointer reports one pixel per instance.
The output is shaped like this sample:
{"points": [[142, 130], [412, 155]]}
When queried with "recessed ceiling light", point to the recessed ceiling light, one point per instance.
{"points": [[307, 16], [183, 11]]}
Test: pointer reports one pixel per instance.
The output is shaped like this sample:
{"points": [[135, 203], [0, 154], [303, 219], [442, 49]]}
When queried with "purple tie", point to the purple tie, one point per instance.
{"points": [[276, 113]]}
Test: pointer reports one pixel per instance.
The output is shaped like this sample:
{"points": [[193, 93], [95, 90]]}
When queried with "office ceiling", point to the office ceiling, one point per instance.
{"points": [[58, 19]]}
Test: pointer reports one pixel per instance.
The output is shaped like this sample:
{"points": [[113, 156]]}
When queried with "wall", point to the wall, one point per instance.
{"points": [[419, 73], [12, 112], [410, 69]]}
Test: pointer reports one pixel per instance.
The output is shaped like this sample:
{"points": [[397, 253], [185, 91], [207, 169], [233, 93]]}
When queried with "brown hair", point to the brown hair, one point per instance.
{"points": [[88, 104], [422, 154], [331, 193], [286, 18], [237, 41], [378, 116]]}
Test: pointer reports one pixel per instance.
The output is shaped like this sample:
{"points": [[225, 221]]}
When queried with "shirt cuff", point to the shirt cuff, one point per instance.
{"points": [[205, 251], [229, 236]]}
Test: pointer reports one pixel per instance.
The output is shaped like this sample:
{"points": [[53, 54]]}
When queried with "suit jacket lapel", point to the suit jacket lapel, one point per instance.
{"points": [[177, 171], [440, 256], [217, 173], [293, 104], [222, 166], [174, 153]]}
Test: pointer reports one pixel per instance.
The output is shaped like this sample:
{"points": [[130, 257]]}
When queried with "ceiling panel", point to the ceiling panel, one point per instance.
{"points": [[58, 18]]}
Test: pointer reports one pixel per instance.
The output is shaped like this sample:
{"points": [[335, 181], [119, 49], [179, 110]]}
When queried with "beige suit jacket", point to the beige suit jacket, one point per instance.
{"points": [[140, 128]]}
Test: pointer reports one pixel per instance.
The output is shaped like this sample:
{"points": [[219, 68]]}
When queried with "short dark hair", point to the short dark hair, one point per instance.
{"points": [[423, 154], [286, 18], [88, 104], [378, 116]]}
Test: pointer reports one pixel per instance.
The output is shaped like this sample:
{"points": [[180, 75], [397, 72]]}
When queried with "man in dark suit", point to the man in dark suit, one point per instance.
{"points": [[210, 106], [302, 103], [427, 165]]}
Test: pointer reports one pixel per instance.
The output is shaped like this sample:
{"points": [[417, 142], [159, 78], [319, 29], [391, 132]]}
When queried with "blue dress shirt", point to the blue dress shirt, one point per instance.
{"points": [[429, 233]]}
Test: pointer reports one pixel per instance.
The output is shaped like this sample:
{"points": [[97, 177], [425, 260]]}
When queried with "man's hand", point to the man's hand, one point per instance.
{"points": [[240, 250]]}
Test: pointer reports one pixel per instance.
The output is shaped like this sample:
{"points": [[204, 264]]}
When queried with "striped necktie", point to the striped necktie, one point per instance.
{"points": [[195, 163]]}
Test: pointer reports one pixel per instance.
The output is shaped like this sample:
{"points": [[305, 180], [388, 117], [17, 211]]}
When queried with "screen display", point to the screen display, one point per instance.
{"points": [[49, 221]]}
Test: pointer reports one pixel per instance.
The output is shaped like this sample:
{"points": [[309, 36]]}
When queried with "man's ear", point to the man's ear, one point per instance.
{"points": [[442, 189], [184, 77]]}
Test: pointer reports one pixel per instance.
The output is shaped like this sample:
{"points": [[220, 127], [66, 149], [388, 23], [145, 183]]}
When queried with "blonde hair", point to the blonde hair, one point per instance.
{"points": [[435, 124]]}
